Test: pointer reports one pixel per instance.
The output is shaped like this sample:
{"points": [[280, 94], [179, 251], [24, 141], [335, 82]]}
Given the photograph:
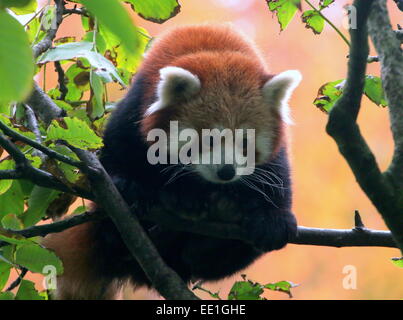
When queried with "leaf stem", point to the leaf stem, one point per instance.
{"points": [[329, 22]]}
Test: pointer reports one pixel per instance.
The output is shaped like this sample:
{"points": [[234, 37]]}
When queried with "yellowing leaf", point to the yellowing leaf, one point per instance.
{"points": [[155, 10], [77, 133], [285, 10], [112, 15]]}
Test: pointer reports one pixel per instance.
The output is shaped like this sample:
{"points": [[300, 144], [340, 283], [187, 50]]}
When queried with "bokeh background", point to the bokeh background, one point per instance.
{"points": [[325, 191]]}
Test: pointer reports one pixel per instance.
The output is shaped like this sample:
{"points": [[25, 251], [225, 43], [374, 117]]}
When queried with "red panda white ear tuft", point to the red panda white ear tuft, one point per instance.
{"points": [[175, 84], [277, 91]]}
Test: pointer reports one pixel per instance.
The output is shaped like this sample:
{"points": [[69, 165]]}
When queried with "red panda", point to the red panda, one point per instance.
{"points": [[199, 77]]}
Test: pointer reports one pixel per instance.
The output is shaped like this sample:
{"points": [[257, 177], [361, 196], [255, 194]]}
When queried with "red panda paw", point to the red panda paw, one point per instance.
{"points": [[270, 231]]}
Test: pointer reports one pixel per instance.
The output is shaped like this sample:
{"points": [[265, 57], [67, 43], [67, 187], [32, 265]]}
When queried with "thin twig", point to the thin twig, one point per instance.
{"points": [[17, 281], [42, 178], [59, 226], [329, 22], [62, 80], [49, 152], [80, 12]]}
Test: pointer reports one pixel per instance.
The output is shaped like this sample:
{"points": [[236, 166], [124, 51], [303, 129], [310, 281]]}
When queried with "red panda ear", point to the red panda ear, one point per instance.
{"points": [[277, 91], [175, 84]]}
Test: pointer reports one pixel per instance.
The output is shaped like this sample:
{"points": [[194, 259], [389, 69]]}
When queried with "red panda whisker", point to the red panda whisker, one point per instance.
{"points": [[268, 174], [250, 184], [179, 174]]}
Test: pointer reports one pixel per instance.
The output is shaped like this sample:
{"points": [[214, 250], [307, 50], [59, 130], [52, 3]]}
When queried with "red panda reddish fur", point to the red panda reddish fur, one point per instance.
{"points": [[235, 90], [201, 50]]}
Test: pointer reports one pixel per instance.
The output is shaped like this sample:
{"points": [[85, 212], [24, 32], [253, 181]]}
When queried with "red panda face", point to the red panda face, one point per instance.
{"points": [[220, 128]]}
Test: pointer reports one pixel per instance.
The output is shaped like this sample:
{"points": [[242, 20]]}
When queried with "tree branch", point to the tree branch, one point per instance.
{"points": [[32, 123], [49, 152], [59, 226], [10, 174], [43, 105], [163, 278], [24, 170], [343, 128], [46, 42], [356, 237], [390, 54], [39, 101]]}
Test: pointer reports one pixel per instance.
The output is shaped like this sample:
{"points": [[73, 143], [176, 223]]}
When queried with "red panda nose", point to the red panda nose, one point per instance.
{"points": [[227, 172]]}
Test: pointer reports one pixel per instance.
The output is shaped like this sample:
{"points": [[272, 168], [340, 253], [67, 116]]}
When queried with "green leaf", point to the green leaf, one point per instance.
{"points": [[6, 295], [16, 61], [99, 62], [7, 254], [13, 239], [71, 173], [325, 3], [4, 273], [398, 262], [313, 20], [48, 18], [245, 290], [282, 286], [5, 109], [99, 41], [12, 201], [34, 31], [328, 95], [285, 10], [374, 91], [78, 134], [121, 57], [26, 187], [20, 6], [27, 291], [4, 183], [80, 209], [97, 102], [63, 104], [67, 51], [155, 10], [35, 258], [80, 113], [35, 160], [38, 203], [112, 15], [82, 49], [11, 221]]}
